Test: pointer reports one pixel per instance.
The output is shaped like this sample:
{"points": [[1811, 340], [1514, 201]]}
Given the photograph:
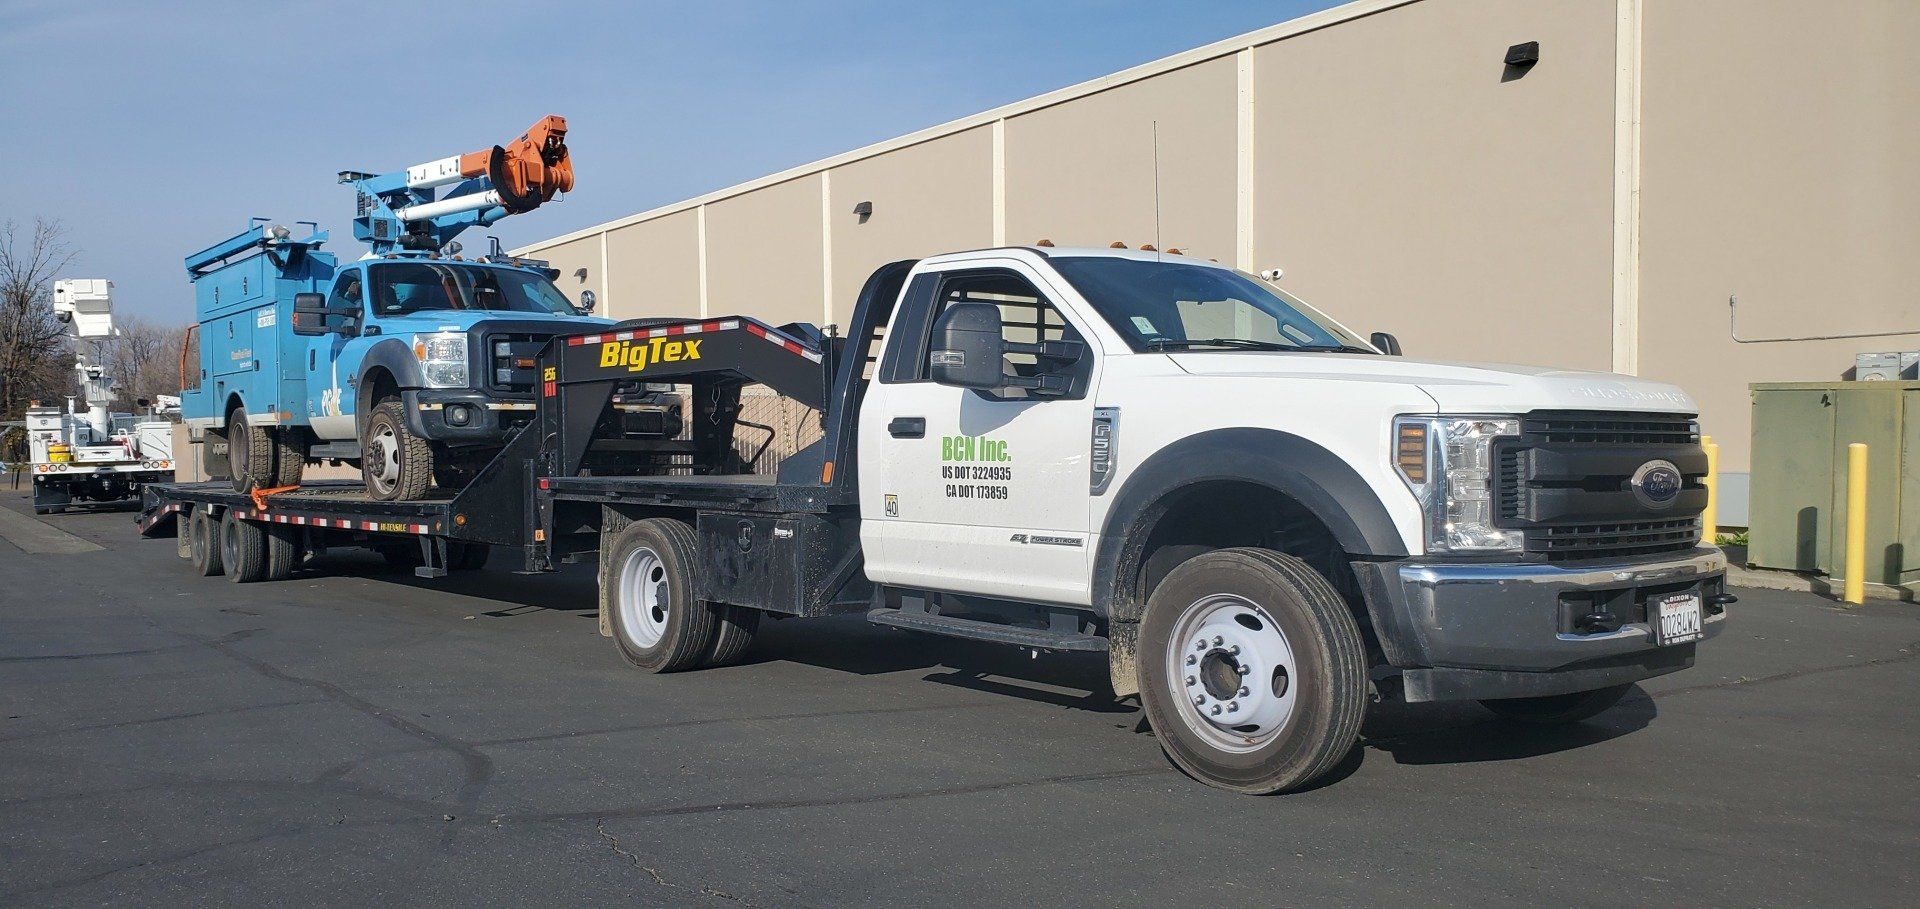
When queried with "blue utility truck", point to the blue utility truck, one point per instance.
{"points": [[414, 361]]}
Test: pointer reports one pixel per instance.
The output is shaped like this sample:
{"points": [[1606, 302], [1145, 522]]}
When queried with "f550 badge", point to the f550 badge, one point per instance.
{"points": [[638, 355]]}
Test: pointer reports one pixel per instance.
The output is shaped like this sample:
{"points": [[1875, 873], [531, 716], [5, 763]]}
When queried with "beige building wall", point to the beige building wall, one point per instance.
{"points": [[570, 258], [1781, 163], [1082, 173], [653, 268], [937, 195], [1406, 183], [764, 254]]}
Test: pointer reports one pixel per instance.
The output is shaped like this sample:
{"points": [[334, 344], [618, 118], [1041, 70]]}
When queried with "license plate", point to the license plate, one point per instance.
{"points": [[1676, 619]]}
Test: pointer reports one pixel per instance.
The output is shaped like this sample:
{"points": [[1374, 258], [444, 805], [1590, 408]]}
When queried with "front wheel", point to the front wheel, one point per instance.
{"points": [[1558, 709], [1253, 672], [396, 463]]}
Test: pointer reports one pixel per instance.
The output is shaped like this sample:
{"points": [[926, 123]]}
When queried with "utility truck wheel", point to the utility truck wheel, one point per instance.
{"points": [[1253, 672], [1558, 709], [656, 620], [734, 632], [203, 543], [243, 549], [396, 463], [250, 453], [282, 549]]}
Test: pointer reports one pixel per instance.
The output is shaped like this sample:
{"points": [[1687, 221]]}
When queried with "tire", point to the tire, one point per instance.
{"points": [[203, 543], [470, 556], [1558, 709], [250, 453], [283, 550], [289, 457], [657, 623], [396, 464], [1268, 623], [735, 630], [243, 549]]}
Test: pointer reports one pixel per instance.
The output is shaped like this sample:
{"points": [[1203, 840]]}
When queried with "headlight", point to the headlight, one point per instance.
{"points": [[1448, 462], [443, 359]]}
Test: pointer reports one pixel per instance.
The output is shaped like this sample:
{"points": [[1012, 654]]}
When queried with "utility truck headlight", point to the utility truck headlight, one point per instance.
{"points": [[443, 359], [1448, 462]]}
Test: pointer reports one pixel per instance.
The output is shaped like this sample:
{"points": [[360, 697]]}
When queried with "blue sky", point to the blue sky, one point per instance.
{"points": [[154, 129]]}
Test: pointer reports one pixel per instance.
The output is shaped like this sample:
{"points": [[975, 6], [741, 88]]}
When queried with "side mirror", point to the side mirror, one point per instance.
{"points": [[587, 299], [968, 350], [310, 314], [1387, 343]]}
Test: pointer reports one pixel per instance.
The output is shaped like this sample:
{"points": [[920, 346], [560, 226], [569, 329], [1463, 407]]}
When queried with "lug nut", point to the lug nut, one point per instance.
{"points": [[1243, 669], [1218, 640], [1199, 699], [1244, 690], [1190, 681], [1216, 710], [1233, 706], [1191, 659], [1234, 650], [1200, 645]]}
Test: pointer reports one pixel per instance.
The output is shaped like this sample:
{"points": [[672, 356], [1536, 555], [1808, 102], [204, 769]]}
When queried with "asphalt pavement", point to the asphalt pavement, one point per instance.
{"points": [[355, 736]]}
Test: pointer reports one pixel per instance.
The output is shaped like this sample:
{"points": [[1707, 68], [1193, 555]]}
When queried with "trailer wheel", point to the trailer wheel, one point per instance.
{"points": [[203, 543], [243, 549], [1253, 672], [1558, 709], [397, 464], [283, 550], [251, 453], [736, 627], [657, 622]]}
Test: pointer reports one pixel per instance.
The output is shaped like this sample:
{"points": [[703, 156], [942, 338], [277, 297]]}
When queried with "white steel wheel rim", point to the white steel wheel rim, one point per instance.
{"points": [[1232, 673], [383, 452], [644, 602]]}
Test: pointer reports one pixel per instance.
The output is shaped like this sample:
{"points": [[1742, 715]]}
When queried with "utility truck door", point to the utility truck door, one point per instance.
{"points": [[978, 491], [329, 364]]}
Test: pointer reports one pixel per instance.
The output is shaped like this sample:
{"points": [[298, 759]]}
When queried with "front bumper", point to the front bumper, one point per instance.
{"points": [[1477, 630], [434, 413]]}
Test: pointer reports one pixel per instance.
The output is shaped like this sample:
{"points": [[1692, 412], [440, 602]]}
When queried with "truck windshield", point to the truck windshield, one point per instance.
{"points": [[400, 288], [1176, 306]]}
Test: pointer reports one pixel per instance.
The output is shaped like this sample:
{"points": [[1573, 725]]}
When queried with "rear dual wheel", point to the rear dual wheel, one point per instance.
{"points": [[256, 551], [658, 622], [262, 457]]}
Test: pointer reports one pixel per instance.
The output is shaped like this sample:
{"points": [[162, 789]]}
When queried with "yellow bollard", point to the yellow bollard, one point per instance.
{"points": [[1856, 570], [1710, 518]]}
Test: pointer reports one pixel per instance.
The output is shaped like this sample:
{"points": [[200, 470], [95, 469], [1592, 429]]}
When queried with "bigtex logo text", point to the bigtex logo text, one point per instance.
{"points": [[638, 355]]}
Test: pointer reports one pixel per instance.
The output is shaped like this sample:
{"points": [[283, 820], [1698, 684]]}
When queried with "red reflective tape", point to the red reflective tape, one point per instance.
{"points": [[419, 528]]}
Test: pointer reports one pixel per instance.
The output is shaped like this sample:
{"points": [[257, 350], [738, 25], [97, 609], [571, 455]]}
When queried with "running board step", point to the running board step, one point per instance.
{"points": [[974, 629]]}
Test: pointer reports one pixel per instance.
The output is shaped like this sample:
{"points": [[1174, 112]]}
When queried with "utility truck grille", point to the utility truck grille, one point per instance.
{"points": [[510, 357], [1567, 484]]}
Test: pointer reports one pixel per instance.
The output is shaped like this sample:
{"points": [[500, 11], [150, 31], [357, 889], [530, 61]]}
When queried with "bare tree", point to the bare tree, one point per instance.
{"points": [[33, 347], [144, 360]]}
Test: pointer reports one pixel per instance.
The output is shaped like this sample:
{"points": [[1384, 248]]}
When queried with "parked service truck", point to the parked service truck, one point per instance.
{"points": [[1264, 521], [414, 361], [94, 455]]}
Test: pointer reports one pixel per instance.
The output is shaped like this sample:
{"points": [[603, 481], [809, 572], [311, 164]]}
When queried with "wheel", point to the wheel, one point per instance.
{"points": [[736, 628], [250, 453], [396, 463], [1558, 709], [1253, 672], [243, 549], [203, 543], [283, 550], [657, 622], [470, 556]]}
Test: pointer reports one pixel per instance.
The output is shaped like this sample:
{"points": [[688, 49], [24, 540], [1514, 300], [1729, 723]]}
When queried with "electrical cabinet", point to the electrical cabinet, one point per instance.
{"points": [[1801, 431]]}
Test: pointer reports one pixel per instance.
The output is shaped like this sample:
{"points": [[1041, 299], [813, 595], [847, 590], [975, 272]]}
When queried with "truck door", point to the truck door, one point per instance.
{"points": [[973, 491], [330, 398]]}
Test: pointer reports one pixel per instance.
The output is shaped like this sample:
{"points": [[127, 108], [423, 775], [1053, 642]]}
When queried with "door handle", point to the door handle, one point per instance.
{"points": [[908, 427]]}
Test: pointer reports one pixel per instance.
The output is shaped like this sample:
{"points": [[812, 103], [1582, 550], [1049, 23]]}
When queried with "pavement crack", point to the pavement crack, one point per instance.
{"points": [[613, 843]]}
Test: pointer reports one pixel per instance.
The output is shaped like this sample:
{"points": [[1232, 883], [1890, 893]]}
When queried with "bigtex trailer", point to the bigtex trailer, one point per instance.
{"points": [[1263, 520]]}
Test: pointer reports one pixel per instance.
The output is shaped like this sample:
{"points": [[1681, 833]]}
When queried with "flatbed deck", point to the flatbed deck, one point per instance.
{"points": [[740, 492]]}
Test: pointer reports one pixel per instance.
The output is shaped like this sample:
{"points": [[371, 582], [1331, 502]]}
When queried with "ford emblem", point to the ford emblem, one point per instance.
{"points": [[1657, 484]]}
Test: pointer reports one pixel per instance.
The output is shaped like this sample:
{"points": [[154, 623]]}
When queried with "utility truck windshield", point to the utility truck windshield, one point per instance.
{"points": [[1160, 306], [401, 288]]}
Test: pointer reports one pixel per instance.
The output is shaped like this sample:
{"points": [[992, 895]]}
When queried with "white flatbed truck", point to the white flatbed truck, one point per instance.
{"points": [[1264, 521]]}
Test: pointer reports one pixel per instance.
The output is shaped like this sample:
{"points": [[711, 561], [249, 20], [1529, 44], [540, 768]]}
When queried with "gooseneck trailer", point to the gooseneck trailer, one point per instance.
{"points": [[1264, 521]]}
